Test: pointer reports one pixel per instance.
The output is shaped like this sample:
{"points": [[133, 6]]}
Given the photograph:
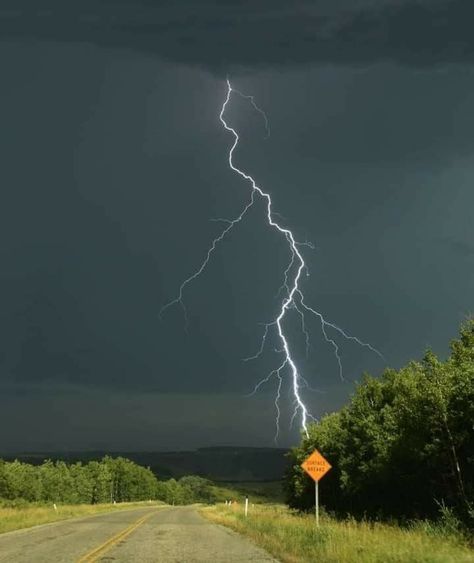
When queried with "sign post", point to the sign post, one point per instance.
{"points": [[316, 466], [316, 501]]}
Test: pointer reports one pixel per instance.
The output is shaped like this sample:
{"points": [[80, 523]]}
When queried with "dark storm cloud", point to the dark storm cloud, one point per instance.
{"points": [[459, 247], [68, 417], [246, 34], [71, 417], [113, 160]]}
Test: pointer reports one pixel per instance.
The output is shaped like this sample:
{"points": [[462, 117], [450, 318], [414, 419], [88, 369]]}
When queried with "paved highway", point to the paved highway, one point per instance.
{"points": [[164, 535]]}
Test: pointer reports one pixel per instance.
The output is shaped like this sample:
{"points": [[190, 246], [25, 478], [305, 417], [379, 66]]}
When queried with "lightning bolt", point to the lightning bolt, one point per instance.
{"points": [[293, 297]]}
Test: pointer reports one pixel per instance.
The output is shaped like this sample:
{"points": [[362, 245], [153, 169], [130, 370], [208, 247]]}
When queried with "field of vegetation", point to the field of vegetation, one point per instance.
{"points": [[37, 494], [111, 480], [293, 537], [15, 516], [257, 492]]}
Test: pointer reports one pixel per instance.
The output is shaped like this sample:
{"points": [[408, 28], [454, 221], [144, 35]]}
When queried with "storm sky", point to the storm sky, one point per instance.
{"points": [[114, 164]]}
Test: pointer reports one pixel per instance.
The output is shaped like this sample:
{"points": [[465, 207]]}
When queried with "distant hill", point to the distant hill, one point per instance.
{"points": [[217, 463]]}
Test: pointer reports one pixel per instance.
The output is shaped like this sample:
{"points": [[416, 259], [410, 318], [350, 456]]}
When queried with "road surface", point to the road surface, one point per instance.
{"points": [[164, 535]]}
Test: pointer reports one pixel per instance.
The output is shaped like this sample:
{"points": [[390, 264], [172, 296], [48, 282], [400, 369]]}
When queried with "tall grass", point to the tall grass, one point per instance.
{"points": [[294, 538], [25, 515]]}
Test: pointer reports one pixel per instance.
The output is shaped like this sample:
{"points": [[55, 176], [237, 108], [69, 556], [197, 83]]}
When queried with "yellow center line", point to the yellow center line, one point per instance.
{"points": [[93, 555]]}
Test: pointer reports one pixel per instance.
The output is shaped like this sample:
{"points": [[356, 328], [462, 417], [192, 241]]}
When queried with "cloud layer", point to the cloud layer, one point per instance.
{"points": [[245, 34]]}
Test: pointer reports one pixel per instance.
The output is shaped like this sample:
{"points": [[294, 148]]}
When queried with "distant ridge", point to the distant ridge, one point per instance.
{"points": [[219, 463]]}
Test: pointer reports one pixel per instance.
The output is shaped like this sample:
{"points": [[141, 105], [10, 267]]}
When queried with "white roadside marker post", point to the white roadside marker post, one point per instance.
{"points": [[246, 506]]}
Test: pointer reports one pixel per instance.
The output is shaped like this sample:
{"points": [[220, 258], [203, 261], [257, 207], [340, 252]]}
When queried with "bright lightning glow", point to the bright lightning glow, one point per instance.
{"points": [[293, 298]]}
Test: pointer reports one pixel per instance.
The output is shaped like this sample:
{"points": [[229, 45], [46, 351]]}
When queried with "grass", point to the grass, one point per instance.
{"points": [[27, 515], [293, 538]]}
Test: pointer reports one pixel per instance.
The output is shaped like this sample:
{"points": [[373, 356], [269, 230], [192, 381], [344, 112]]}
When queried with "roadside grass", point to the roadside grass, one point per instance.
{"points": [[26, 515], [294, 538]]}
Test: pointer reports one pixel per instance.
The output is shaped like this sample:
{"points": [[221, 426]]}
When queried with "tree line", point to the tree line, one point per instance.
{"points": [[404, 444], [108, 480]]}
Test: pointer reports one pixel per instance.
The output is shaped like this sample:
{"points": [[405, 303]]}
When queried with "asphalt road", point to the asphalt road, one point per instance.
{"points": [[164, 535]]}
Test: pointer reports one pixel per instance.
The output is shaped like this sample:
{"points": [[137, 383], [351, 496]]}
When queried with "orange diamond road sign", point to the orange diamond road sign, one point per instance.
{"points": [[316, 466]]}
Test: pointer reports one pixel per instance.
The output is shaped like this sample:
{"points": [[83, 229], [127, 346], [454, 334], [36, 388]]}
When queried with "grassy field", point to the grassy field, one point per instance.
{"points": [[25, 516], [294, 538]]}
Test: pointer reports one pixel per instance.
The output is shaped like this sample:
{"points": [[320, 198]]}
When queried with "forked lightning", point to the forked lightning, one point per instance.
{"points": [[293, 298]]}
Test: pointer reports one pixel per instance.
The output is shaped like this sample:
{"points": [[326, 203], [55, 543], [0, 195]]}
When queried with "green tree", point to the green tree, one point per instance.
{"points": [[56, 480], [129, 480], [21, 481], [171, 492], [197, 489], [403, 445], [100, 477], [82, 484]]}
